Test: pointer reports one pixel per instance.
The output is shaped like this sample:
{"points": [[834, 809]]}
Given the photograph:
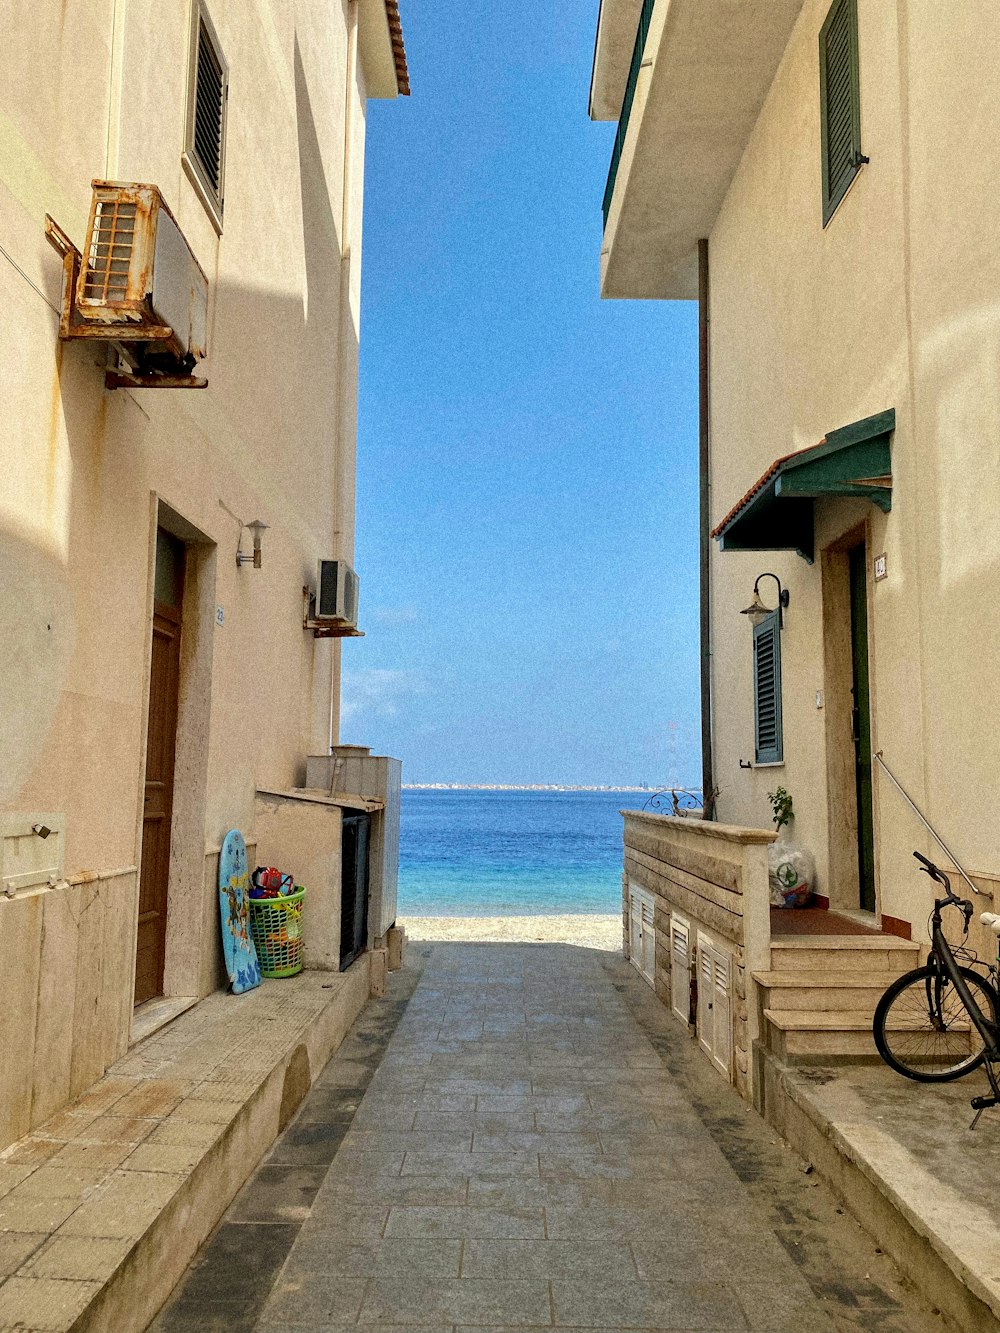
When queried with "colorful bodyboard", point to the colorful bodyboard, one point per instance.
{"points": [[234, 905]]}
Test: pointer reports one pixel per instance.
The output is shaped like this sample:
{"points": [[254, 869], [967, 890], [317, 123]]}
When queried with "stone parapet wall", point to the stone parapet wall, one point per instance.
{"points": [[67, 954], [714, 876]]}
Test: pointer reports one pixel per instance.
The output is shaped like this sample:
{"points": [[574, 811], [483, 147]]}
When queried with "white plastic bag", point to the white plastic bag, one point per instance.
{"points": [[791, 874]]}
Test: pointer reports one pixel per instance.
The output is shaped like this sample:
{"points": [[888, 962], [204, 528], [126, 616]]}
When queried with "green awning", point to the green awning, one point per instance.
{"points": [[777, 513]]}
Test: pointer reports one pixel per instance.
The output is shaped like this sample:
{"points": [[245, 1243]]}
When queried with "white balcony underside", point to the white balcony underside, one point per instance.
{"points": [[707, 69], [616, 26]]}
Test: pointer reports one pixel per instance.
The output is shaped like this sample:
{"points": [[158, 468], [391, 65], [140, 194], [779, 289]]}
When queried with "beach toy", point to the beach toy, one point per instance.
{"points": [[268, 882], [238, 948]]}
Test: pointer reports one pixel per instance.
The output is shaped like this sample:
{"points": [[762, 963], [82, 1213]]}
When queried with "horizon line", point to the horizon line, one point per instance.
{"points": [[545, 786]]}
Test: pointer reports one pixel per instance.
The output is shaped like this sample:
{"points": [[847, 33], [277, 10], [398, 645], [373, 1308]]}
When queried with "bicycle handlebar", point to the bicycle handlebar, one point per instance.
{"points": [[929, 868]]}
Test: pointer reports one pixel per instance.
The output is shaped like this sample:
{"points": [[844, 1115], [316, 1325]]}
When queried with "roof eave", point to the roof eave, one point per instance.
{"points": [[708, 68], [382, 51], [777, 513]]}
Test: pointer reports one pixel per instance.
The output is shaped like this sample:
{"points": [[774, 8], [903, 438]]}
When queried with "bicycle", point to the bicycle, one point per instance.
{"points": [[942, 1021]]}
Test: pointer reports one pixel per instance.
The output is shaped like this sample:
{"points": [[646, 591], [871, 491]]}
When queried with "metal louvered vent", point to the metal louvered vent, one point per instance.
{"points": [[841, 105], [767, 690], [109, 256], [209, 110]]}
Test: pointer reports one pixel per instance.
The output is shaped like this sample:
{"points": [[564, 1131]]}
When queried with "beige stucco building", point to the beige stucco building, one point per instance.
{"points": [[133, 636], [819, 174]]}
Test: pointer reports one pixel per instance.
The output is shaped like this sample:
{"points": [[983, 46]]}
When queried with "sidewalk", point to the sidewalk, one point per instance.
{"points": [[903, 1156], [103, 1205], [524, 1158]]}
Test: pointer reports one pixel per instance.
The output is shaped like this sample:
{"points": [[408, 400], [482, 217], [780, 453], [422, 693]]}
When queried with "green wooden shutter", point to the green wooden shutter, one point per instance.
{"points": [[840, 103], [767, 690]]}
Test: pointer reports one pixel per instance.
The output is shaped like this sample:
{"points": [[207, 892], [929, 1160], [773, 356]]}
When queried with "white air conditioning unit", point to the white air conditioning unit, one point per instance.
{"points": [[336, 592], [138, 268], [136, 284]]}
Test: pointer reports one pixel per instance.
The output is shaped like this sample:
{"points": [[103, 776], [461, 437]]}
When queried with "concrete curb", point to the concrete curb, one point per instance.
{"points": [[943, 1243]]}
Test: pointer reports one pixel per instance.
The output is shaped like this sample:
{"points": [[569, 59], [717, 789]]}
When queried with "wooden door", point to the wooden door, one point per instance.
{"points": [[161, 736], [862, 726]]}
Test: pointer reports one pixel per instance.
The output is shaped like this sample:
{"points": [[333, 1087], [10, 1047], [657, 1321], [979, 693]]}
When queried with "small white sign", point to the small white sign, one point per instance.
{"points": [[880, 567], [220, 616]]}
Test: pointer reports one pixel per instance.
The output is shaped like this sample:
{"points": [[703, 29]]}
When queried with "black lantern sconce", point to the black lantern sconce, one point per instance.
{"points": [[757, 611]]}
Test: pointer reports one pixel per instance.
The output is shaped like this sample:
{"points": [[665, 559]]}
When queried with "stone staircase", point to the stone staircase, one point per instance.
{"points": [[819, 997]]}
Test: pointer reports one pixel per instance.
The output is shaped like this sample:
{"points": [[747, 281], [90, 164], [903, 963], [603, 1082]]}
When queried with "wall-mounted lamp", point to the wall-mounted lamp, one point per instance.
{"points": [[256, 527], [757, 610]]}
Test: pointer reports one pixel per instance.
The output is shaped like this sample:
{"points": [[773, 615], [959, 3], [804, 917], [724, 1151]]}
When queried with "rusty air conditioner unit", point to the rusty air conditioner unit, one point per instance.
{"points": [[137, 286]]}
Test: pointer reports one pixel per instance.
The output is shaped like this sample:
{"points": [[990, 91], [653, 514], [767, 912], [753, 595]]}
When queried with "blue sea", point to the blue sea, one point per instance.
{"points": [[504, 853]]}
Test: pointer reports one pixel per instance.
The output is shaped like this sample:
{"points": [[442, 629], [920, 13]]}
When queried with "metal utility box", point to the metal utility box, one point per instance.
{"points": [[355, 841], [354, 770]]}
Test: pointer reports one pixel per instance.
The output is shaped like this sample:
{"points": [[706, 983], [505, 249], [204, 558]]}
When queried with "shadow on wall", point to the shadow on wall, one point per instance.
{"points": [[321, 244], [272, 397], [37, 630]]}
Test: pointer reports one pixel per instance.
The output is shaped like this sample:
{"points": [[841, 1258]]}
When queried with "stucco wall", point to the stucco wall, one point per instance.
{"points": [[890, 306], [85, 472]]}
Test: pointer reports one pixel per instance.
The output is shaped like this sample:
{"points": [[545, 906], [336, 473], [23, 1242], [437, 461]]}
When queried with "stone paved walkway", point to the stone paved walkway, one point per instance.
{"points": [[522, 1158]]}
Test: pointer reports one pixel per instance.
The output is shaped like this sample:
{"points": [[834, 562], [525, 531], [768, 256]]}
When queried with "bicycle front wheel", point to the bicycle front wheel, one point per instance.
{"points": [[923, 1030]]}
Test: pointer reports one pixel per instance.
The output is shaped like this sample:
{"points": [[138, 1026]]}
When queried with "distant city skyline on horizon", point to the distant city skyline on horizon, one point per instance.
{"points": [[550, 786]]}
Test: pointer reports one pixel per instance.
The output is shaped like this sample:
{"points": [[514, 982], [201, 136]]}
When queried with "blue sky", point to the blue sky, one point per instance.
{"points": [[527, 470]]}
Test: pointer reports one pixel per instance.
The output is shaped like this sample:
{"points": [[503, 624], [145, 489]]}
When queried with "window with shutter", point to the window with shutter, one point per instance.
{"points": [[767, 690], [208, 90], [840, 103]]}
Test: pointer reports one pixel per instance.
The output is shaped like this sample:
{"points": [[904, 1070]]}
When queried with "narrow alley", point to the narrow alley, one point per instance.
{"points": [[520, 1136]]}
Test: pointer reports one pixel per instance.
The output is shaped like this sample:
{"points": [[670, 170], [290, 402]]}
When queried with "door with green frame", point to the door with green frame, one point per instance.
{"points": [[862, 725]]}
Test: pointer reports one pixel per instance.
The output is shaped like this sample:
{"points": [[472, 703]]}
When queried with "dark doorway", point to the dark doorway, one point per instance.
{"points": [[354, 887], [862, 727], [161, 738]]}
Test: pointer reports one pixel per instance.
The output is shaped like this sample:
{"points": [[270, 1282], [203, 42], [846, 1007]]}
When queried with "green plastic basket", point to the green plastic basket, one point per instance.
{"points": [[276, 927]]}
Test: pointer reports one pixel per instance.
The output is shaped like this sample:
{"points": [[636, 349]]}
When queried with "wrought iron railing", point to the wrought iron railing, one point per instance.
{"points": [[633, 77], [675, 801]]}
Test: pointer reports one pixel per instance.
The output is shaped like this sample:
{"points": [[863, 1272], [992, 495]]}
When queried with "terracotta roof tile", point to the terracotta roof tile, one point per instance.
{"points": [[398, 49], [759, 485]]}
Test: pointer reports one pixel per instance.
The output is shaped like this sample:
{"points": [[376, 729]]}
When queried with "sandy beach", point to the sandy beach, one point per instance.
{"points": [[591, 932]]}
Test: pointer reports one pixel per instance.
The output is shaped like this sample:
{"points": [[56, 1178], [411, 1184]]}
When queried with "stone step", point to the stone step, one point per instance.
{"points": [[818, 989], [882, 953], [796, 1036], [799, 1036]]}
